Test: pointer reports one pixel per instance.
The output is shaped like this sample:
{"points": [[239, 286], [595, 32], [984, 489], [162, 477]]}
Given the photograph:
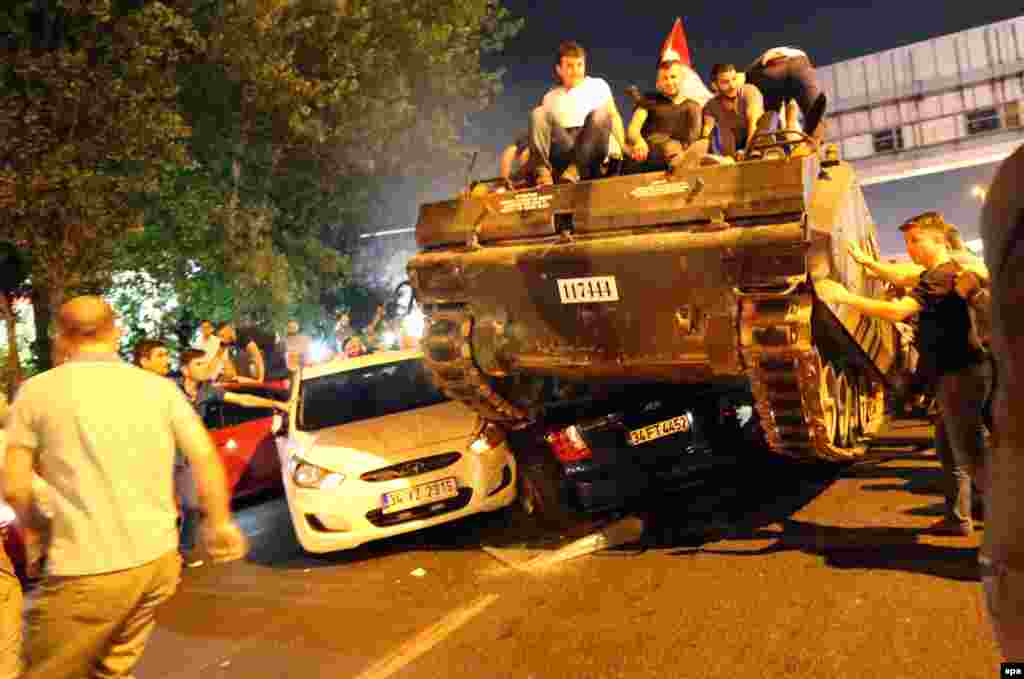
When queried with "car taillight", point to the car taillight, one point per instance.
{"points": [[568, 444]]}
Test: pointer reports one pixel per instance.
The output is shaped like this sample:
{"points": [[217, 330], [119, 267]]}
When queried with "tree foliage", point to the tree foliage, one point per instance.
{"points": [[85, 126], [247, 136]]}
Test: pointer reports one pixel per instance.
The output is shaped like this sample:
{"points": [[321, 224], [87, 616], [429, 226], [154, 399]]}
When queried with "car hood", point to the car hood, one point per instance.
{"points": [[364, 446]]}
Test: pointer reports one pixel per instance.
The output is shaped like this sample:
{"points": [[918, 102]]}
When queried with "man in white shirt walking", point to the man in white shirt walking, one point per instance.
{"points": [[571, 130], [103, 435]]}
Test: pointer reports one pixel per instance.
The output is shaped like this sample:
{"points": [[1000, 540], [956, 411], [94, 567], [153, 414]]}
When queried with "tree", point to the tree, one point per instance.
{"points": [[13, 285], [298, 106], [88, 118]]}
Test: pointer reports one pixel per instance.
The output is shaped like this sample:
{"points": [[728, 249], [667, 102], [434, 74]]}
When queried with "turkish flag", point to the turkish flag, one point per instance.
{"points": [[675, 47]]}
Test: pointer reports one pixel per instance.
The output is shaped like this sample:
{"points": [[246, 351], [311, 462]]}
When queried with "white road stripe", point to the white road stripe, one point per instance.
{"points": [[427, 639]]}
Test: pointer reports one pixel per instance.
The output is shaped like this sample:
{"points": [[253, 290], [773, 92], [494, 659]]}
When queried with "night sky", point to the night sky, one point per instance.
{"points": [[623, 41]]}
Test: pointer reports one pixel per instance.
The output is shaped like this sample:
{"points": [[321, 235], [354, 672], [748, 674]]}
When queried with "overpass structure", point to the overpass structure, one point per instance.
{"points": [[945, 103]]}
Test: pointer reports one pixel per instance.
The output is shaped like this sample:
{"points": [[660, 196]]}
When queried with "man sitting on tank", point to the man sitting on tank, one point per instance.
{"points": [[571, 129], [667, 123], [735, 109]]}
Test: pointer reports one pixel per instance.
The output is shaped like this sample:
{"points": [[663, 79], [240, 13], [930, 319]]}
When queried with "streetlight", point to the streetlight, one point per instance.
{"points": [[979, 192]]}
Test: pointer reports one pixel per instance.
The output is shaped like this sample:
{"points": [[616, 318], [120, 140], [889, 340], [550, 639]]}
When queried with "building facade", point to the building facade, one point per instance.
{"points": [[941, 104]]}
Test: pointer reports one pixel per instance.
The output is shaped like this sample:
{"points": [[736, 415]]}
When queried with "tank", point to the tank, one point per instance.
{"points": [[702, 276]]}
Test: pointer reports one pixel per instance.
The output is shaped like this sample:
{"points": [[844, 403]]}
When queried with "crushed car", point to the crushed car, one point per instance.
{"points": [[370, 448]]}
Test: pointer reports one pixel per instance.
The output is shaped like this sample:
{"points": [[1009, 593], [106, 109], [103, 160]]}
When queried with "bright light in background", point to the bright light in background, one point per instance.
{"points": [[979, 192], [319, 351], [975, 246], [414, 323], [390, 339]]}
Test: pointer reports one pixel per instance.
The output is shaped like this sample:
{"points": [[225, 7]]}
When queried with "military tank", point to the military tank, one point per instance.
{"points": [[703, 275]]}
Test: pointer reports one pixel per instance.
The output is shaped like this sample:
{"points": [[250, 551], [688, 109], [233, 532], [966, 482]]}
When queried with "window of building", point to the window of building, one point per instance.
{"points": [[888, 140], [982, 120]]}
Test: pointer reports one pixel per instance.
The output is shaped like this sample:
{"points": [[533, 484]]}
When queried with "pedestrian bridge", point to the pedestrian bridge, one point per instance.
{"points": [[950, 102]]}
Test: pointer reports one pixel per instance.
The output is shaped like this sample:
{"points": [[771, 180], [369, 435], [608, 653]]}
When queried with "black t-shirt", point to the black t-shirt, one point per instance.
{"points": [[945, 338], [680, 121]]}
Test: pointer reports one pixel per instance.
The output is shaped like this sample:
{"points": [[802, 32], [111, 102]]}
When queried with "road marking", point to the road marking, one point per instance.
{"points": [[427, 639], [532, 561]]}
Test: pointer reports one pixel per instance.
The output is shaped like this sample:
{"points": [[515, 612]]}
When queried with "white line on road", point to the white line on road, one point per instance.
{"points": [[427, 639]]}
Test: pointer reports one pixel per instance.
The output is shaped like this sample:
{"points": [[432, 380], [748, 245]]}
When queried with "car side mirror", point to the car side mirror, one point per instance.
{"points": [[279, 425]]}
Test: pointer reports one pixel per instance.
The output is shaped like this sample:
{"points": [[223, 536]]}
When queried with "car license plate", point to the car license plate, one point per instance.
{"points": [[659, 429], [589, 289], [422, 494]]}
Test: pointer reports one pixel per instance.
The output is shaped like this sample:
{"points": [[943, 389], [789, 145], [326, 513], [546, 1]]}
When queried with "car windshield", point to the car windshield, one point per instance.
{"points": [[362, 394]]}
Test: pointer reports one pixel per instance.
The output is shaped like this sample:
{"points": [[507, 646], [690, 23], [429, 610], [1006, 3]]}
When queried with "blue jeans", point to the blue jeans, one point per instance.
{"points": [[960, 435]]}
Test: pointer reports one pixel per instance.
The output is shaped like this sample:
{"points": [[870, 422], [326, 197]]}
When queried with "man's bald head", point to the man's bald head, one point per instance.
{"points": [[86, 320]]}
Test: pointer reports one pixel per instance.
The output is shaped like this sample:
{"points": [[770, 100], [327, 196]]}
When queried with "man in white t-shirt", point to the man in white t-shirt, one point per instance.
{"points": [[572, 129]]}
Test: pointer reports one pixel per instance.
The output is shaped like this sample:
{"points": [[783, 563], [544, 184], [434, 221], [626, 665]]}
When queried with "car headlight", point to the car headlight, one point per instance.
{"points": [[308, 475], [490, 437]]}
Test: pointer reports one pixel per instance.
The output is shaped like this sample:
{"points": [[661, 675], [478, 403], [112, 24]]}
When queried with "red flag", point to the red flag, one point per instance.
{"points": [[675, 47]]}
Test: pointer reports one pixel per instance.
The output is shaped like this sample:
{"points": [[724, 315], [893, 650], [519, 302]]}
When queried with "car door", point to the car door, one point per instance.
{"points": [[213, 418], [248, 441]]}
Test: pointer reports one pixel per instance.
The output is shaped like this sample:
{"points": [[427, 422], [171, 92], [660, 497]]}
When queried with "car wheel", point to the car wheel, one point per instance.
{"points": [[540, 493]]}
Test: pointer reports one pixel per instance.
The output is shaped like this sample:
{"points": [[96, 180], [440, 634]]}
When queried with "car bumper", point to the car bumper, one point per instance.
{"points": [[350, 515]]}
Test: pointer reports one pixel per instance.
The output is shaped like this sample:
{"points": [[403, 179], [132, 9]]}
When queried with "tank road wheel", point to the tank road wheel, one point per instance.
{"points": [[847, 412], [830, 401]]}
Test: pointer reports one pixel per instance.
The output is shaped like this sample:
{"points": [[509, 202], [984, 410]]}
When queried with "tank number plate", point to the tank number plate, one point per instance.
{"points": [[589, 289], [659, 429]]}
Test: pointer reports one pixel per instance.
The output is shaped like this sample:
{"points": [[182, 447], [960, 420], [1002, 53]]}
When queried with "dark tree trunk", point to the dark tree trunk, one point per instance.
{"points": [[13, 360], [42, 348]]}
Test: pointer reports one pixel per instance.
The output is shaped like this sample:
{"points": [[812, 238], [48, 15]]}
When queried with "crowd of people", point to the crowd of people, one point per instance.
{"points": [[578, 133], [130, 482]]}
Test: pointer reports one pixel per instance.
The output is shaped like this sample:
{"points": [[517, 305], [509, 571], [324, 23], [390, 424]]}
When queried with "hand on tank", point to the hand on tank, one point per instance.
{"points": [[831, 291], [858, 254], [639, 150]]}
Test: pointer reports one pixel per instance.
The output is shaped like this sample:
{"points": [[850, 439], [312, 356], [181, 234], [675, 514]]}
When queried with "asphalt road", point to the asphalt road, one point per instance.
{"points": [[773, 570]]}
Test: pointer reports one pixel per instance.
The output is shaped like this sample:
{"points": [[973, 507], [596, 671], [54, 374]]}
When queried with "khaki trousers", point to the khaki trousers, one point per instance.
{"points": [[95, 626], [11, 603]]}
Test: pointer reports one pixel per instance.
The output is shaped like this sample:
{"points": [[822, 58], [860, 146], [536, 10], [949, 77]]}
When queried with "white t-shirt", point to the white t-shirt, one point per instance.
{"points": [[570, 108], [777, 52], [210, 346]]}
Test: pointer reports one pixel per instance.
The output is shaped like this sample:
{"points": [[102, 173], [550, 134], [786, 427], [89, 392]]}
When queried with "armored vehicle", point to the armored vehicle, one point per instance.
{"points": [[706, 275]]}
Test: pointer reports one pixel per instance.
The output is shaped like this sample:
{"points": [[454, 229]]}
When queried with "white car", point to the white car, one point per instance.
{"points": [[371, 448]]}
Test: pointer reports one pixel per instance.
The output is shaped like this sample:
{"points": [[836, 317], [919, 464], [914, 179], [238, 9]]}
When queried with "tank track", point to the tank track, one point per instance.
{"points": [[795, 388], [448, 354], [808, 409]]}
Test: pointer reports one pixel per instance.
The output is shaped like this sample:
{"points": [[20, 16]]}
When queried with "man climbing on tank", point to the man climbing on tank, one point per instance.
{"points": [[950, 356], [785, 76], [666, 124], [570, 131]]}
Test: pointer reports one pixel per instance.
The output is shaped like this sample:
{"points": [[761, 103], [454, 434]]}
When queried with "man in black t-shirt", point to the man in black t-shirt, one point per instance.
{"points": [[665, 123], [950, 355]]}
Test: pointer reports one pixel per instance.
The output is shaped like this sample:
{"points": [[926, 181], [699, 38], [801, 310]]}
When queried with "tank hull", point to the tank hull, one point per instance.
{"points": [[688, 279]]}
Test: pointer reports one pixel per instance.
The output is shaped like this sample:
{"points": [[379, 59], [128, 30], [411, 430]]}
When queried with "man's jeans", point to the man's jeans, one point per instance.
{"points": [[960, 436], [10, 624], [96, 626], [557, 147]]}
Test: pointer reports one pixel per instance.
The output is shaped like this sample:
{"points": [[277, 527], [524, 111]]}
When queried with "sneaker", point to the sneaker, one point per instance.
{"points": [[571, 174], [950, 527], [544, 177]]}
